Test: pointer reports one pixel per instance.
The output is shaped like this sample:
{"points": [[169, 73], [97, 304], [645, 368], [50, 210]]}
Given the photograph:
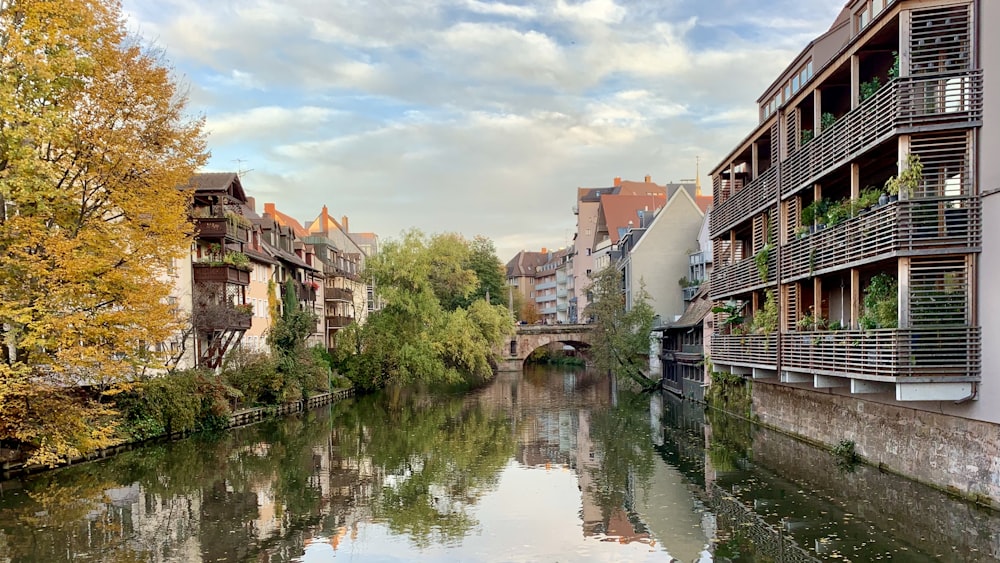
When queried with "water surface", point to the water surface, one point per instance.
{"points": [[548, 465]]}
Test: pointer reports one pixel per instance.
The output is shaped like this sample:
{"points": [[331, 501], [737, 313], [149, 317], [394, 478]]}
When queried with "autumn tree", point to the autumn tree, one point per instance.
{"points": [[621, 337], [423, 332], [93, 144]]}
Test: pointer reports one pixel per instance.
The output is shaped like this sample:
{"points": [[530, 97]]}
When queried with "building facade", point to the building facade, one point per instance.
{"points": [[848, 241]]}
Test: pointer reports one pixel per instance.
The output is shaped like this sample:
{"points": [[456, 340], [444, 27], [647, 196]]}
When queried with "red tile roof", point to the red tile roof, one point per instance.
{"points": [[618, 210]]}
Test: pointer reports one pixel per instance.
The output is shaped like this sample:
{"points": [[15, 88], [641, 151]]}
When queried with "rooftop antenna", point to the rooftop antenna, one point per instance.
{"points": [[240, 172]]}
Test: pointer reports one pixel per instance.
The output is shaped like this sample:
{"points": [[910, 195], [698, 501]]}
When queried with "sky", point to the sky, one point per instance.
{"points": [[470, 116]]}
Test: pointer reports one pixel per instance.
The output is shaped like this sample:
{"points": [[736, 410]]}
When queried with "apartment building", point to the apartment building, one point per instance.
{"points": [[346, 297], [215, 294], [587, 211], [851, 248]]}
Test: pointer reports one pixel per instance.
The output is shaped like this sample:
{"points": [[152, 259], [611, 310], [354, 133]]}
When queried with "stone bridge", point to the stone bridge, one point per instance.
{"points": [[532, 337]]}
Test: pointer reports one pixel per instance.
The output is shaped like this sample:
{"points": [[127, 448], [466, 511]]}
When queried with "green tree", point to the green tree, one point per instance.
{"points": [[621, 338], [93, 144], [299, 371], [423, 332], [489, 271]]}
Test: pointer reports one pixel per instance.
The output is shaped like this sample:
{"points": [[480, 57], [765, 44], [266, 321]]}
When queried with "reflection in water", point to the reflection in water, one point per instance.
{"points": [[548, 465]]}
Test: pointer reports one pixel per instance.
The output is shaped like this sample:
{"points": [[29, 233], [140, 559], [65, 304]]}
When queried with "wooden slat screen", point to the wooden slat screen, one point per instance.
{"points": [[939, 291], [791, 309], [941, 40], [946, 161], [792, 136]]}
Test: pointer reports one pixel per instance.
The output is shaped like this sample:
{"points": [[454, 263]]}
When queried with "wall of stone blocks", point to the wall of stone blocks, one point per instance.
{"points": [[956, 454]]}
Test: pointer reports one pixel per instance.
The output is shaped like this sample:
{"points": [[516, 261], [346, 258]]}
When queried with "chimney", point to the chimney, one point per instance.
{"points": [[618, 181], [252, 204], [343, 224], [269, 209], [648, 178], [545, 250]]}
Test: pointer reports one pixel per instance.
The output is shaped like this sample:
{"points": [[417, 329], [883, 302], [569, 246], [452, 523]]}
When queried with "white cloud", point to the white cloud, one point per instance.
{"points": [[469, 115]]}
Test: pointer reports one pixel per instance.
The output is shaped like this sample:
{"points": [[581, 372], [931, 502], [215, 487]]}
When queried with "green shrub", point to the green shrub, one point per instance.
{"points": [[255, 375]]}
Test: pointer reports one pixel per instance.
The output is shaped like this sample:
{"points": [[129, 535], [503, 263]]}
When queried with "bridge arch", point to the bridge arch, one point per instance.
{"points": [[529, 338]]}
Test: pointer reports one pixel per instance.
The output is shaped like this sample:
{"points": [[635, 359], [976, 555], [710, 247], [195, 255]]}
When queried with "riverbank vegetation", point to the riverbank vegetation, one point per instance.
{"points": [[441, 318], [93, 144], [621, 337]]}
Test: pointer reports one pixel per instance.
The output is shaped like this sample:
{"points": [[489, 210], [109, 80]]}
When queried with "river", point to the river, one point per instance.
{"points": [[547, 465]]}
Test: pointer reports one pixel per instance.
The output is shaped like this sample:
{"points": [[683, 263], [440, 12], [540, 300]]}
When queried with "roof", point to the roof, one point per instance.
{"points": [[286, 220], [526, 263], [704, 202], [696, 311], [227, 182], [629, 187], [284, 256], [619, 212]]}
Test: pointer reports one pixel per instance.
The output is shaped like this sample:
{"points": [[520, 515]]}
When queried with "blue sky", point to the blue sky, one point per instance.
{"points": [[471, 116]]}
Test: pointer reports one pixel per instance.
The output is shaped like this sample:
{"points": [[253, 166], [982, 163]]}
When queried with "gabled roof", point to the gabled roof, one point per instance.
{"points": [[629, 187], [695, 314], [526, 263], [679, 196], [206, 183], [286, 220], [284, 256], [618, 211]]}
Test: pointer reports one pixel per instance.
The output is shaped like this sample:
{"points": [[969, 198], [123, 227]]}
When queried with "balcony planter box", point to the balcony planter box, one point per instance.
{"points": [[220, 273]]}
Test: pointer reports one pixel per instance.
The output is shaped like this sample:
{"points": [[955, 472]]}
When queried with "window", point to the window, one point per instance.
{"points": [[588, 254]]}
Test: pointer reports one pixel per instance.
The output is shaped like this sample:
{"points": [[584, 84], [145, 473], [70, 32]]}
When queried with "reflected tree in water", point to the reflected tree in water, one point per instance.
{"points": [[623, 454], [437, 458]]}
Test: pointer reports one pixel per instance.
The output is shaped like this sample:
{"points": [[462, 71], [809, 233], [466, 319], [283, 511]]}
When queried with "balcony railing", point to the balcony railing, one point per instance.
{"points": [[216, 273], [338, 321], [221, 227], [338, 294], [950, 99], [741, 277], [305, 292], [211, 316], [751, 349], [332, 270], [749, 199], [886, 353], [904, 227]]}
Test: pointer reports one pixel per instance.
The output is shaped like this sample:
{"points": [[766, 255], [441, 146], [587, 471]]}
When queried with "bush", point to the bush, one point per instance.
{"points": [[255, 375], [184, 401]]}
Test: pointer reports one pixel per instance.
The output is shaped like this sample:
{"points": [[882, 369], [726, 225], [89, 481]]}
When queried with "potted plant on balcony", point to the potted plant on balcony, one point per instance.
{"points": [[881, 303], [908, 180], [868, 89], [807, 135], [826, 121], [765, 321], [733, 321], [838, 212]]}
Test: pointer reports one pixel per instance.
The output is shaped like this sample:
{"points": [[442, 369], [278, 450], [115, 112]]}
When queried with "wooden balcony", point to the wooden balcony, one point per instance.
{"points": [[332, 270], [338, 294], [755, 350], [219, 228], [220, 273], [221, 317], [305, 292], [746, 201], [928, 354], [338, 321], [905, 105], [908, 228], [741, 277]]}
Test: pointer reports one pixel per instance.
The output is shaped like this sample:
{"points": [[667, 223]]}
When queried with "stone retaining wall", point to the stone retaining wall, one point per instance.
{"points": [[956, 454]]}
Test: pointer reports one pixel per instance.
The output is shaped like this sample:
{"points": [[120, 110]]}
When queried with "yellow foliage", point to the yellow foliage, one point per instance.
{"points": [[93, 145]]}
